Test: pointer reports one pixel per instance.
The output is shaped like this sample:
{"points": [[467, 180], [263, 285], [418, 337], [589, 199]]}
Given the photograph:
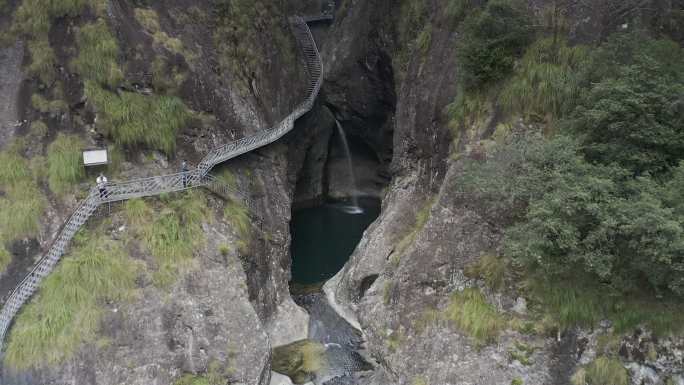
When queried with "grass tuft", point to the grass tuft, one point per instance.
{"points": [[473, 315], [237, 213], [602, 371], [130, 118], [134, 119], [171, 234], [48, 106], [67, 310], [64, 163], [98, 51], [583, 302], [5, 259], [39, 129], [22, 203], [137, 212], [421, 219], [214, 376], [546, 83], [149, 19], [42, 60], [491, 269]]}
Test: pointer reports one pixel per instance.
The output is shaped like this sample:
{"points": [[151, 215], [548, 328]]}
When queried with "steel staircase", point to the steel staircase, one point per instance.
{"points": [[156, 185]]}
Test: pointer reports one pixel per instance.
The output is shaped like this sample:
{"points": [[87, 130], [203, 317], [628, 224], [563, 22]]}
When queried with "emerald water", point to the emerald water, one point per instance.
{"points": [[323, 238]]}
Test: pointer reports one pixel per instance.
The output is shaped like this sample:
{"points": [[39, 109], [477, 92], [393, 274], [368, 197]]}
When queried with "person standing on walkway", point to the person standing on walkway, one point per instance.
{"points": [[102, 185], [184, 170]]}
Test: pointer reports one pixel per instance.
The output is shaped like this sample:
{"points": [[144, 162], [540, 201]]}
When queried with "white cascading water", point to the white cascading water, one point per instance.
{"points": [[355, 208]]}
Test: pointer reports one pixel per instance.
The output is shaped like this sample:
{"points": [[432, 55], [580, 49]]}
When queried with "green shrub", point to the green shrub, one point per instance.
{"points": [[456, 10], [602, 371], [566, 216], [517, 381], [672, 193], [64, 163], [299, 360], [134, 119], [67, 310], [631, 114], [97, 55], [492, 39], [470, 312]]}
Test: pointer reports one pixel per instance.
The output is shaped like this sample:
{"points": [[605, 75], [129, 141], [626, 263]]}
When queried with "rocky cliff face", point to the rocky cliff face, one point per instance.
{"points": [[205, 320], [230, 308], [413, 257]]}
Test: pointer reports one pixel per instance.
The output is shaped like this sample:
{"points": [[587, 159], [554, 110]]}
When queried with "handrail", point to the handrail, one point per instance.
{"points": [[156, 185]]}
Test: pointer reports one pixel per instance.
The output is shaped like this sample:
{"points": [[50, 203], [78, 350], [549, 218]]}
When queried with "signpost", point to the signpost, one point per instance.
{"points": [[95, 157]]}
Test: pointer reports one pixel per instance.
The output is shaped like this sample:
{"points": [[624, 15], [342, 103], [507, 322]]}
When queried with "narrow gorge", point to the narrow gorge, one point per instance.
{"points": [[476, 192]]}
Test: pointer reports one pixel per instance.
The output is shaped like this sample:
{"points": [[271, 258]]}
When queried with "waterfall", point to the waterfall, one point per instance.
{"points": [[354, 208]]}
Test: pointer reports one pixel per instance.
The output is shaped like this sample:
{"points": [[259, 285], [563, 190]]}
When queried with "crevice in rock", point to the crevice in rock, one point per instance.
{"points": [[366, 284]]}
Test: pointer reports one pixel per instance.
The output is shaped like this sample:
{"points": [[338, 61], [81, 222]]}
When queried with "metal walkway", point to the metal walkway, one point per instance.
{"points": [[156, 185]]}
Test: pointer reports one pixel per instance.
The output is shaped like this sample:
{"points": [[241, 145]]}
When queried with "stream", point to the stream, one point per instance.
{"points": [[323, 239]]}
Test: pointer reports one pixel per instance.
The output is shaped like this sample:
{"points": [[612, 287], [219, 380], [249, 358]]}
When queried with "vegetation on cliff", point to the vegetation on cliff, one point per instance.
{"points": [[21, 202], [171, 232], [593, 197], [130, 118], [69, 306], [67, 311]]}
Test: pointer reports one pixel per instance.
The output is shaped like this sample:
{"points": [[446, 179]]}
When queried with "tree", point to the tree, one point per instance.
{"points": [[633, 114], [572, 217], [492, 39]]}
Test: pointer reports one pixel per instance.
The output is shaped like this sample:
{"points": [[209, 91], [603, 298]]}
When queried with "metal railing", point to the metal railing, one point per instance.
{"points": [[155, 185]]}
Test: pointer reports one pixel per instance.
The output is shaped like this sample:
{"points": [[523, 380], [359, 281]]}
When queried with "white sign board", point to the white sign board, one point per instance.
{"points": [[95, 157]]}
